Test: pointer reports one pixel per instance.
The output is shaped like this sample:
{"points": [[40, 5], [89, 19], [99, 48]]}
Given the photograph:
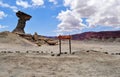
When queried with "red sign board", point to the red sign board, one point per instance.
{"points": [[64, 37]]}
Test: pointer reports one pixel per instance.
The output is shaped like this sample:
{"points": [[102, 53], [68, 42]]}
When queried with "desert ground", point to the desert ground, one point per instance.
{"points": [[20, 58]]}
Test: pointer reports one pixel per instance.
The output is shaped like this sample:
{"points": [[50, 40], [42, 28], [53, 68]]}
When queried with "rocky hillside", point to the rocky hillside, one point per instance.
{"points": [[11, 38], [103, 35]]}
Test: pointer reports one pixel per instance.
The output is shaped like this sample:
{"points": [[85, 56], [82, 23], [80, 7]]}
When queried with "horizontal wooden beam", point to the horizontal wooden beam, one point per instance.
{"points": [[64, 37]]}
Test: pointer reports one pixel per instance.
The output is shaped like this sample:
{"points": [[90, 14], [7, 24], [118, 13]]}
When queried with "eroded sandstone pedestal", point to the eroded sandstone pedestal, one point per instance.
{"points": [[23, 17]]}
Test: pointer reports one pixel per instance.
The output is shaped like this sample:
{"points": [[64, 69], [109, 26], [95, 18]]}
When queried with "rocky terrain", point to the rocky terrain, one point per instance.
{"points": [[22, 58], [80, 65], [14, 39]]}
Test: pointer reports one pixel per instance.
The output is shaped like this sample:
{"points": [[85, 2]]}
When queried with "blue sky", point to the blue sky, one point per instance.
{"points": [[54, 17]]}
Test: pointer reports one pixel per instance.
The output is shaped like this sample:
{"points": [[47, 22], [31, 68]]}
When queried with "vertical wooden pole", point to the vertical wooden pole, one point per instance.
{"points": [[60, 45], [70, 45]]}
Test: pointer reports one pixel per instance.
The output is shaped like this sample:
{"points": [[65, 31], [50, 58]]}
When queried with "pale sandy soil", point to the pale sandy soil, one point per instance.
{"points": [[81, 64], [110, 47]]}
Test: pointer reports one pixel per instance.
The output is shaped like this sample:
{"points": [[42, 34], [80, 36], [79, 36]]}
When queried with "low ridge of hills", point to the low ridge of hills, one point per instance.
{"points": [[102, 35], [11, 38]]}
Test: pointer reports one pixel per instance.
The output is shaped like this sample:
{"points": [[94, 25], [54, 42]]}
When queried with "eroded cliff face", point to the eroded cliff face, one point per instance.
{"points": [[19, 30], [103, 35], [23, 17]]}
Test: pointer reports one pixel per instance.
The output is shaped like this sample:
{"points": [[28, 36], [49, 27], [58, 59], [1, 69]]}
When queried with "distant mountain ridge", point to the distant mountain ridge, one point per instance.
{"points": [[97, 35], [102, 35]]}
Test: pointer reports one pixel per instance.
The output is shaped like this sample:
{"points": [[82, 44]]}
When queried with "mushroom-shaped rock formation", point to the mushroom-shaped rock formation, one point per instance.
{"points": [[23, 17]]}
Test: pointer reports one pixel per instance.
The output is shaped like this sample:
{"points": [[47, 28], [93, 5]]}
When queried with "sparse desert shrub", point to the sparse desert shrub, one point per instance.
{"points": [[65, 52], [73, 53], [117, 53], [42, 52], [58, 54], [17, 51], [106, 52], [27, 51], [52, 54], [9, 52], [87, 51], [3, 51], [112, 53], [37, 51]]}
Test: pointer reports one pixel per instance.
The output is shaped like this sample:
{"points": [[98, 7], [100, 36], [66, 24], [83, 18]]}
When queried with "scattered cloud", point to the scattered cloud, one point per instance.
{"points": [[69, 22], [97, 12], [1, 26], [14, 8], [26, 4], [53, 1], [37, 2], [2, 14], [22, 3]]}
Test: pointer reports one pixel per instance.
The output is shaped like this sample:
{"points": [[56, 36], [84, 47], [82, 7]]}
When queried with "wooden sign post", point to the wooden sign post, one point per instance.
{"points": [[60, 45], [70, 45], [64, 37]]}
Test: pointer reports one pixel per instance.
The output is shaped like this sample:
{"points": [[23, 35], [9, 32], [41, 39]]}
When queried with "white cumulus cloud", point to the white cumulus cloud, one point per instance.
{"points": [[14, 8], [97, 12], [22, 3], [37, 2], [31, 3], [2, 14], [69, 22]]}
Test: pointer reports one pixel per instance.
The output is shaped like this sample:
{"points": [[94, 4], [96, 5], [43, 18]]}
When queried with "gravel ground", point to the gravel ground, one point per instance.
{"points": [[88, 60]]}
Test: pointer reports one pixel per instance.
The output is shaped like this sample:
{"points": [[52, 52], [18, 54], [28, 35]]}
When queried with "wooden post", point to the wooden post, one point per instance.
{"points": [[70, 45], [60, 45], [64, 37]]}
